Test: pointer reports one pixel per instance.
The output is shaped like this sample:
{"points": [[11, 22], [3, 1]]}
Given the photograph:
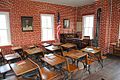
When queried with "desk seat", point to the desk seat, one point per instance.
{"points": [[70, 67], [4, 69], [46, 74]]}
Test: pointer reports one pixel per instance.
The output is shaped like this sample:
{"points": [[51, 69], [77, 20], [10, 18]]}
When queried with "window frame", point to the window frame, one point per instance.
{"points": [[53, 31], [8, 27], [87, 27]]}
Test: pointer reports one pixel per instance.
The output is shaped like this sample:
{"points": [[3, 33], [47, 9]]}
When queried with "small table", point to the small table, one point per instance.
{"points": [[33, 51], [23, 67], [16, 48], [53, 59], [75, 54], [91, 49], [57, 44], [19, 50], [13, 56], [94, 51], [69, 45]]}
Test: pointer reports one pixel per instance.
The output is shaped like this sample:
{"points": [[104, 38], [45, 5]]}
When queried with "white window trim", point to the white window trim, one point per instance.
{"points": [[83, 26], [8, 27], [51, 28]]}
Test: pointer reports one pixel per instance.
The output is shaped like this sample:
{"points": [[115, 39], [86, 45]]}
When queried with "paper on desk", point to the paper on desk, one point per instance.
{"points": [[50, 56], [89, 49]]}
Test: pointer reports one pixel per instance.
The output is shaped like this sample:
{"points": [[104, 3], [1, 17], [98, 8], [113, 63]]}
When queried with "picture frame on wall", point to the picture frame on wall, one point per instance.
{"points": [[66, 23], [27, 23]]}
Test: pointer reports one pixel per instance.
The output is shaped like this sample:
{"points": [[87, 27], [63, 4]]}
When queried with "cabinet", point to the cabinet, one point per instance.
{"points": [[64, 37]]}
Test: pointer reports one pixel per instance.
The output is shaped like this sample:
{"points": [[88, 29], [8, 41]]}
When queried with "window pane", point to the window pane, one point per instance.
{"points": [[88, 23], [91, 21], [50, 37], [47, 27], [3, 22], [44, 34], [44, 21], [86, 31], [49, 22], [3, 37], [4, 29]]}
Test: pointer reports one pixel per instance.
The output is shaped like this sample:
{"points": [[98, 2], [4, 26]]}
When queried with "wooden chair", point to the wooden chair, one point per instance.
{"points": [[46, 74], [98, 57], [86, 37], [70, 68], [85, 41], [102, 58], [87, 63]]}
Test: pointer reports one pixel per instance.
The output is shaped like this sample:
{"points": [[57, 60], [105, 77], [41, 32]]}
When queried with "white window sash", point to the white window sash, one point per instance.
{"points": [[90, 26], [8, 28], [48, 28]]}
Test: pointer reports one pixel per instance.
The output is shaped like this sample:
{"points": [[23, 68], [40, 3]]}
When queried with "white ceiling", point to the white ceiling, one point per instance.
{"points": [[74, 3]]}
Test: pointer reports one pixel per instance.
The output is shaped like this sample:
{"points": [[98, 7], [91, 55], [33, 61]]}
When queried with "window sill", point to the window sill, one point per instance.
{"points": [[48, 41], [6, 45]]}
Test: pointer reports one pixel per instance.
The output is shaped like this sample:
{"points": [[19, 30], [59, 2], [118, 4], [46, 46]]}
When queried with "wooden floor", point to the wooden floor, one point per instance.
{"points": [[110, 71]]}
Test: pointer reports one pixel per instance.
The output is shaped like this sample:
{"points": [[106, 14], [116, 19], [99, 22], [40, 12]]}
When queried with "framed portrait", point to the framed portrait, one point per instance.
{"points": [[66, 23], [27, 23]]}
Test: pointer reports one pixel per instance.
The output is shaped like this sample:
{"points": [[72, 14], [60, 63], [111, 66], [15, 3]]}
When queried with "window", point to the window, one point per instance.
{"points": [[47, 27], [4, 29], [88, 23]]}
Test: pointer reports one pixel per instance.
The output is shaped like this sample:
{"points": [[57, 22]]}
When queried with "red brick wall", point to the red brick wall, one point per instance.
{"points": [[20, 8], [85, 10], [115, 20]]}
